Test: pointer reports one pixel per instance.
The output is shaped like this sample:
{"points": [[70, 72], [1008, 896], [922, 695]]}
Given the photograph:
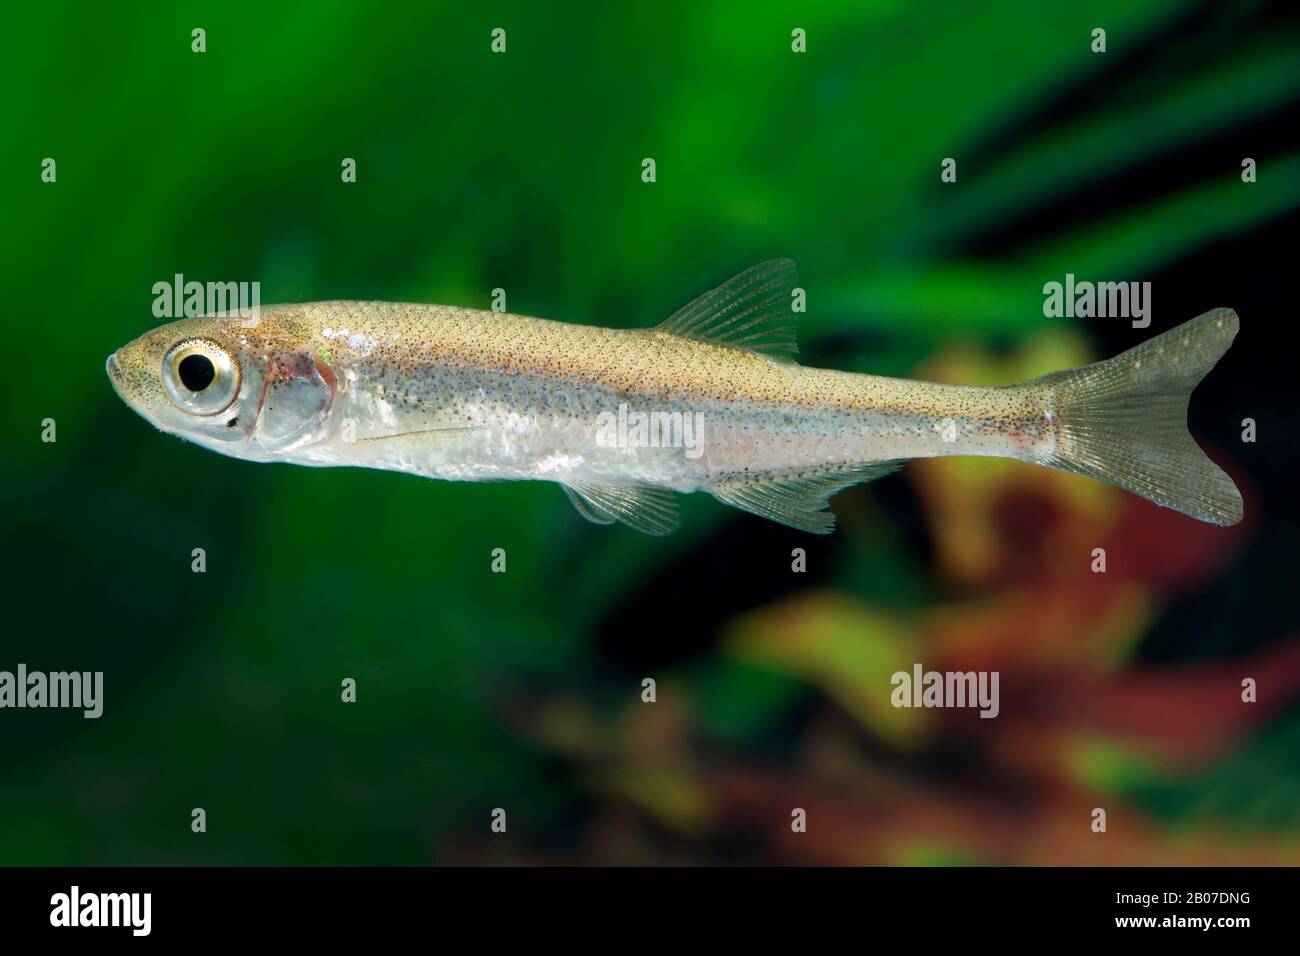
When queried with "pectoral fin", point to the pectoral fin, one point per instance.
{"points": [[647, 509], [800, 501], [425, 434]]}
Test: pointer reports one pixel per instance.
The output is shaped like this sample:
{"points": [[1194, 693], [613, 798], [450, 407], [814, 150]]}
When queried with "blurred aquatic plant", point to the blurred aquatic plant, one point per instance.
{"points": [[1083, 723]]}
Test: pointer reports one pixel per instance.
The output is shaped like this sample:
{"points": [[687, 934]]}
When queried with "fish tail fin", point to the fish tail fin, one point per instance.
{"points": [[1124, 421]]}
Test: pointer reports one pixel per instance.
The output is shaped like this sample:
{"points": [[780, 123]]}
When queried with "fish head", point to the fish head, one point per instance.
{"points": [[248, 388]]}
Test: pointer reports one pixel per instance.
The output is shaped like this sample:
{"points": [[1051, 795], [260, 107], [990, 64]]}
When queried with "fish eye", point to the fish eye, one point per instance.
{"points": [[200, 377], [196, 372]]}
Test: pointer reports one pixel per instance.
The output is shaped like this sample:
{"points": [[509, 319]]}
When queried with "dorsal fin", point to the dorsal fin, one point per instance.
{"points": [[800, 500], [752, 312]]}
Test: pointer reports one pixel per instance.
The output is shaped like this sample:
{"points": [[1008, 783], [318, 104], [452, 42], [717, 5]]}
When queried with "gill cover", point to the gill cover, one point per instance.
{"points": [[297, 393]]}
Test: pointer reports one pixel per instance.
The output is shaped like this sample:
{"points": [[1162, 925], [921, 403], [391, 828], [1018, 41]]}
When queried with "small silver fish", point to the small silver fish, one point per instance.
{"points": [[709, 400]]}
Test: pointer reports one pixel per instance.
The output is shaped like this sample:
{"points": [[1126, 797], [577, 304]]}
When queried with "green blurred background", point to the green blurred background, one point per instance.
{"points": [[523, 690]]}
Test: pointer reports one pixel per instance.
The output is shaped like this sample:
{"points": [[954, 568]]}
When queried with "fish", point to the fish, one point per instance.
{"points": [[710, 400]]}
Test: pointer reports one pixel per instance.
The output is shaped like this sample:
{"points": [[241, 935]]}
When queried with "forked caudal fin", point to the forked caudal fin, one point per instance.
{"points": [[1124, 421]]}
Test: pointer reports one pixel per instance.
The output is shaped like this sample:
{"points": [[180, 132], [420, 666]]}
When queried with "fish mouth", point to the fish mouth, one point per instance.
{"points": [[114, 373]]}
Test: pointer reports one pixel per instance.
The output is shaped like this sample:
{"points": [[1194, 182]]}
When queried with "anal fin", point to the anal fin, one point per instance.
{"points": [[800, 501], [642, 507]]}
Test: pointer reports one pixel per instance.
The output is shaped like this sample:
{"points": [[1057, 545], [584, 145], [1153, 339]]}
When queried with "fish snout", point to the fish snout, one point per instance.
{"points": [[114, 370]]}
